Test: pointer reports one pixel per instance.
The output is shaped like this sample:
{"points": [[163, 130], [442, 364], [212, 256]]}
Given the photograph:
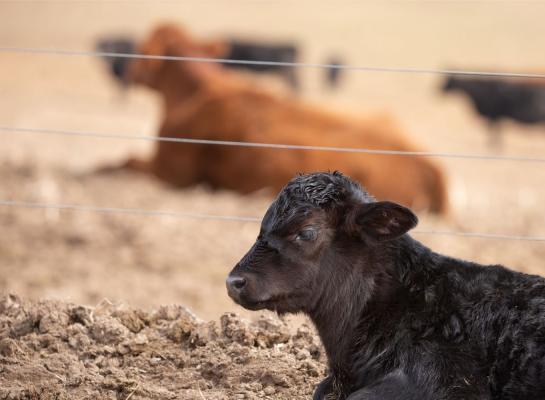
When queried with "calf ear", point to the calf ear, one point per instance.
{"points": [[385, 220]]}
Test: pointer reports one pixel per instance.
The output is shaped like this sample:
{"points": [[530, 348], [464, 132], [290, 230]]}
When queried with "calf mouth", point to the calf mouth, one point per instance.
{"points": [[251, 304], [257, 305], [276, 303]]}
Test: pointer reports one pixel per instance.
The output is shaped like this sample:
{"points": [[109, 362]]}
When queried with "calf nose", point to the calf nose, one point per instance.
{"points": [[235, 283]]}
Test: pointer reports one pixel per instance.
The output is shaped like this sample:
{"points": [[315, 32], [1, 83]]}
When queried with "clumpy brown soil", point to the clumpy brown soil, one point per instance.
{"points": [[56, 350]]}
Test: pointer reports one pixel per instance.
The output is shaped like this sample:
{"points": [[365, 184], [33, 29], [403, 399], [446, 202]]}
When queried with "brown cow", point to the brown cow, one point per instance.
{"points": [[204, 101]]}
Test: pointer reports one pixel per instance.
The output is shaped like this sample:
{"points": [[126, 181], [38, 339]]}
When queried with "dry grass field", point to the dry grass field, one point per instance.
{"points": [[144, 262]]}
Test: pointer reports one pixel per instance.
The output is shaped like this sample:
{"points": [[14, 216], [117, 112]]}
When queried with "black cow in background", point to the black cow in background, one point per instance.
{"points": [[278, 53], [497, 99], [235, 50]]}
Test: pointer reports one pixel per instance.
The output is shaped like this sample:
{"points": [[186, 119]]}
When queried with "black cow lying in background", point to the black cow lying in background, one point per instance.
{"points": [[232, 49], [253, 51], [497, 99], [397, 320]]}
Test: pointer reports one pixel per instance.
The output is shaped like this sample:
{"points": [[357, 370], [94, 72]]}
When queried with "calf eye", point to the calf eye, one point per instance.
{"points": [[307, 235]]}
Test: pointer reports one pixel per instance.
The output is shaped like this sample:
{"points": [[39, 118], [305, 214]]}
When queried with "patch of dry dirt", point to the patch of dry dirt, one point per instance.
{"points": [[56, 350]]}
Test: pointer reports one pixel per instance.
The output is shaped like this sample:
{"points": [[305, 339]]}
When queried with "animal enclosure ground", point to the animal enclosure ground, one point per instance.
{"points": [[53, 350]]}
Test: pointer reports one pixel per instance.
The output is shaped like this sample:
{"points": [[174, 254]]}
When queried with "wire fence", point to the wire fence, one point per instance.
{"points": [[189, 140], [406, 70], [268, 145], [177, 214]]}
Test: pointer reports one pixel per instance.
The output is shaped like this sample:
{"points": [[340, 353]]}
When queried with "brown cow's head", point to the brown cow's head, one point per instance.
{"points": [[322, 228], [171, 41]]}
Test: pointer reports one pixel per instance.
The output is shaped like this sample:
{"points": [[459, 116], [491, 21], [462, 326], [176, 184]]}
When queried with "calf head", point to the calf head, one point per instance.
{"points": [[319, 226], [171, 41]]}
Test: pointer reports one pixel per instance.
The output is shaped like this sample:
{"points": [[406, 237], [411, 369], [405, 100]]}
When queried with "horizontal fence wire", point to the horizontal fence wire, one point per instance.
{"points": [[121, 210], [268, 145], [177, 214], [371, 1], [407, 70]]}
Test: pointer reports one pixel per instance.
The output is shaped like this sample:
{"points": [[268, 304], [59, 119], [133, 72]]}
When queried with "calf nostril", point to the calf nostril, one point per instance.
{"points": [[239, 283], [236, 282]]}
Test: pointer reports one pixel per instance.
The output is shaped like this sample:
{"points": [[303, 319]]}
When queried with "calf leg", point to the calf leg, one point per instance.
{"points": [[394, 386]]}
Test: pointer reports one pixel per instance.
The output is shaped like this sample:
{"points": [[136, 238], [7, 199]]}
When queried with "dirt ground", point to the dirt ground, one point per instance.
{"points": [[53, 350], [140, 263]]}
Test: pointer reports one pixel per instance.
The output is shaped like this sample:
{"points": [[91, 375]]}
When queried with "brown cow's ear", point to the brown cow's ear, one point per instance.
{"points": [[385, 220]]}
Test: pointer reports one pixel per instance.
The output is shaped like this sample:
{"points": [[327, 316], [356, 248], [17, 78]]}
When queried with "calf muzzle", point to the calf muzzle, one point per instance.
{"points": [[235, 286]]}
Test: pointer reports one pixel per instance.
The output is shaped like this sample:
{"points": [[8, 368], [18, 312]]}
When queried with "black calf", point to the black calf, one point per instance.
{"points": [[397, 320]]}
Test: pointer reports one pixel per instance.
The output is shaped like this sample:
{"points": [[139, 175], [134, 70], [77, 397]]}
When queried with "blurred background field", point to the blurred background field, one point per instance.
{"points": [[146, 261]]}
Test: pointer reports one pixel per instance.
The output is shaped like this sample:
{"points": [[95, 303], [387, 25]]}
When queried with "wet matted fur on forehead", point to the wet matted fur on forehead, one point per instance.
{"points": [[316, 190], [324, 189]]}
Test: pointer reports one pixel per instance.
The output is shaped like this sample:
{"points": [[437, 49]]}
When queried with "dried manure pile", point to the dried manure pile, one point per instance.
{"points": [[54, 350]]}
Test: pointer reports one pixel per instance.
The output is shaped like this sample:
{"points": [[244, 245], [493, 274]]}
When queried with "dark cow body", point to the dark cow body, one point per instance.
{"points": [[397, 320], [501, 99], [263, 52]]}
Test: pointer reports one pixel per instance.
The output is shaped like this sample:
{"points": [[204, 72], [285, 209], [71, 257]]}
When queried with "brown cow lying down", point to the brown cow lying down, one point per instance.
{"points": [[204, 101]]}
